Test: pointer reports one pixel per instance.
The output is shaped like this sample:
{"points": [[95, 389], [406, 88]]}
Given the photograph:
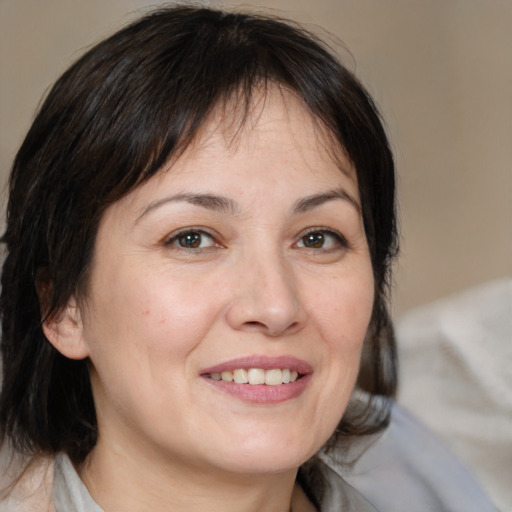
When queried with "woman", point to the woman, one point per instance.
{"points": [[200, 228]]}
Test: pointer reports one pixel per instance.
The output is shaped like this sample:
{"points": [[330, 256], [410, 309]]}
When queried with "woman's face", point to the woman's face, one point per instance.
{"points": [[247, 258]]}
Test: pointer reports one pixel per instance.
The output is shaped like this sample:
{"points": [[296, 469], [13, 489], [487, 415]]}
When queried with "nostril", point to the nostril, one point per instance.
{"points": [[255, 324]]}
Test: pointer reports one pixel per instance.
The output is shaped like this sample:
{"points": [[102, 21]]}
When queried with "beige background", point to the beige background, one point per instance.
{"points": [[441, 71]]}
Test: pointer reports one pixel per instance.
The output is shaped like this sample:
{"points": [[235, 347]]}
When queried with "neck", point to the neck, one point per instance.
{"points": [[118, 480]]}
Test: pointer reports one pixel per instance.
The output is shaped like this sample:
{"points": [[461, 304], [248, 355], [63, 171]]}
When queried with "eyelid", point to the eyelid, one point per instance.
{"points": [[170, 238], [340, 238]]}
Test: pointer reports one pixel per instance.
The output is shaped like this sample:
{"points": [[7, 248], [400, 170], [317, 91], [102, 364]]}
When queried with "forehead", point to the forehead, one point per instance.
{"points": [[273, 117], [274, 147]]}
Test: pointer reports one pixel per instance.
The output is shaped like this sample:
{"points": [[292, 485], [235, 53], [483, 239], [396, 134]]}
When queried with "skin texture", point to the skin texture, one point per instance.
{"points": [[156, 314]]}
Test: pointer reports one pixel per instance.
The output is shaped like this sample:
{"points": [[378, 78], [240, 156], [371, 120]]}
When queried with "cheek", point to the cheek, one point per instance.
{"points": [[140, 336], [344, 310], [146, 320], [343, 314]]}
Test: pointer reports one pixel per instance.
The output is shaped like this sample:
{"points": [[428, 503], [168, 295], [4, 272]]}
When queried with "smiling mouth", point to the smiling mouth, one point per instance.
{"points": [[257, 376]]}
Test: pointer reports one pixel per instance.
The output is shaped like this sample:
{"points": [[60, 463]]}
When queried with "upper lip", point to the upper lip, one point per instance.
{"points": [[263, 362]]}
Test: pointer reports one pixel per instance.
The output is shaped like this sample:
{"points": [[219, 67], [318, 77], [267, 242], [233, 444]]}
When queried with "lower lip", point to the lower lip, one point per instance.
{"points": [[261, 393]]}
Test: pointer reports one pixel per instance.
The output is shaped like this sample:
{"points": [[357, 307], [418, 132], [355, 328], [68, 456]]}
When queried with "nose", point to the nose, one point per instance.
{"points": [[267, 298]]}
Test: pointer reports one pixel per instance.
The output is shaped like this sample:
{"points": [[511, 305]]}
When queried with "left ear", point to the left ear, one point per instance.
{"points": [[64, 331]]}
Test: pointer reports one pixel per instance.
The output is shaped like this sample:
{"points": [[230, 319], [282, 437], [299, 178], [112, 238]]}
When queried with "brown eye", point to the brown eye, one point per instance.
{"points": [[191, 240], [322, 239], [314, 240]]}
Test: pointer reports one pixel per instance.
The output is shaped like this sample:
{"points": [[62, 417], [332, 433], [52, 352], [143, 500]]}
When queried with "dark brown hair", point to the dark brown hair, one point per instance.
{"points": [[108, 125]]}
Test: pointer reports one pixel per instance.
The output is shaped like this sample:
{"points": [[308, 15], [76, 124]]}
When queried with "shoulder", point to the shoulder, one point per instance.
{"points": [[25, 485], [408, 469]]}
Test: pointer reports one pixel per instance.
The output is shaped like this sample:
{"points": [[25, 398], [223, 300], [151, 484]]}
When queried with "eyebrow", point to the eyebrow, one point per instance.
{"points": [[226, 205], [308, 203], [208, 201]]}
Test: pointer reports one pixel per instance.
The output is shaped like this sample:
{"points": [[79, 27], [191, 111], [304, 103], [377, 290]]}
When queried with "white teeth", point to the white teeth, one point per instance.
{"points": [[227, 376], [257, 376], [241, 376], [273, 377]]}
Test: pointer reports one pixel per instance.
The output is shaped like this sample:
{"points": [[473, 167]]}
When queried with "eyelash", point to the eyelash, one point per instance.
{"points": [[324, 233], [340, 240], [173, 240]]}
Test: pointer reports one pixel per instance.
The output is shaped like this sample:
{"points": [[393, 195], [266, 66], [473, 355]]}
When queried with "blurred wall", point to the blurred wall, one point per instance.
{"points": [[440, 71]]}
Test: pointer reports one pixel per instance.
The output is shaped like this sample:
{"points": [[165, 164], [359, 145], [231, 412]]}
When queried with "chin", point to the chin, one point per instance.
{"points": [[269, 454], [264, 463]]}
